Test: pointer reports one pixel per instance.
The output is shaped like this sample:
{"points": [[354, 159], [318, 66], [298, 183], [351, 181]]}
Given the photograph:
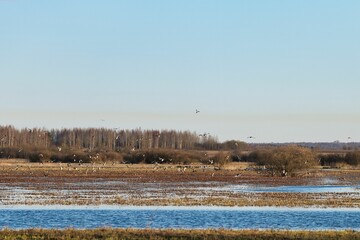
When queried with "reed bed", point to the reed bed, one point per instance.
{"points": [[113, 234]]}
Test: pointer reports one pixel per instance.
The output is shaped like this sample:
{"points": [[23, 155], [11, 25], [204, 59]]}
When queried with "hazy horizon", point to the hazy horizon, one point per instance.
{"points": [[281, 71]]}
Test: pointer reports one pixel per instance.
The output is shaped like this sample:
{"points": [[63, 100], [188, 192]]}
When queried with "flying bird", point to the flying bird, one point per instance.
{"points": [[197, 111]]}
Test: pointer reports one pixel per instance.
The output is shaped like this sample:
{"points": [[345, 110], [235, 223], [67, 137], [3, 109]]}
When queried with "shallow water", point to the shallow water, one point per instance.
{"points": [[20, 217], [113, 191], [302, 189]]}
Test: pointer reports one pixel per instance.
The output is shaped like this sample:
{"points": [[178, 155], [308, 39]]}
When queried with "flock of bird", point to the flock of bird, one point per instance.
{"points": [[80, 166]]}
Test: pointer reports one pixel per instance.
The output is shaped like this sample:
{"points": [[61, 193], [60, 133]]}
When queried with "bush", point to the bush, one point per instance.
{"points": [[53, 154], [220, 159], [162, 156], [71, 158], [238, 156], [331, 159], [8, 153], [11, 152], [259, 156], [353, 158], [286, 160], [38, 156], [114, 156], [134, 157]]}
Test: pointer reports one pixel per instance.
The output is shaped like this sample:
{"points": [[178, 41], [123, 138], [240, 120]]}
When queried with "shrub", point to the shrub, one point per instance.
{"points": [[221, 159], [134, 157], [8, 153], [11, 152], [38, 156], [162, 156], [353, 158], [331, 159], [259, 156], [286, 160], [114, 156]]}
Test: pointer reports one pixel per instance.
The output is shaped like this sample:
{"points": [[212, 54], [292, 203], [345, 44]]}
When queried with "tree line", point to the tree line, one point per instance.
{"points": [[154, 146], [93, 139]]}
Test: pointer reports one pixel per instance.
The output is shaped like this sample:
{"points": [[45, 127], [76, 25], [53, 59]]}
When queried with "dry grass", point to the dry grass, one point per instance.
{"points": [[113, 234]]}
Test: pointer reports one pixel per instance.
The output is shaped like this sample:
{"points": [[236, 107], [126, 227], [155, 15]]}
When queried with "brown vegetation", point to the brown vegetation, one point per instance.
{"points": [[114, 234], [286, 160]]}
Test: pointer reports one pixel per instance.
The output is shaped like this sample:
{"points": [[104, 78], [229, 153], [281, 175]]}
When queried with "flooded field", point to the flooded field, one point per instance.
{"points": [[166, 185], [168, 196]]}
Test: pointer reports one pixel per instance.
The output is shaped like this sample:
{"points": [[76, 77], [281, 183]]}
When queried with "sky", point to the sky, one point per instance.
{"points": [[277, 70]]}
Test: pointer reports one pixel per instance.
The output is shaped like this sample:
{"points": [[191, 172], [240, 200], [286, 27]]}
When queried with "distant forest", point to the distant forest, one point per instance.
{"points": [[110, 139], [120, 140], [151, 146]]}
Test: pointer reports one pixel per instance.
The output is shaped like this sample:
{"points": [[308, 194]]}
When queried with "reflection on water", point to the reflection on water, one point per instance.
{"points": [[180, 217]]}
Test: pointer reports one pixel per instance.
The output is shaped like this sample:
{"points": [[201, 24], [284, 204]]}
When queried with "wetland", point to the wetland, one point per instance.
{"points": [[169, 196], [165, 185]]}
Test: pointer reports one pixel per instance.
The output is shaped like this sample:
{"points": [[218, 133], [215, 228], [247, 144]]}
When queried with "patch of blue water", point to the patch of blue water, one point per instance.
{"points": [[181, 218]]}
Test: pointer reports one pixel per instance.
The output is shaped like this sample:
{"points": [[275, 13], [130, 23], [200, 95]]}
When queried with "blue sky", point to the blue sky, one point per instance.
{"points": [[278, 70]]}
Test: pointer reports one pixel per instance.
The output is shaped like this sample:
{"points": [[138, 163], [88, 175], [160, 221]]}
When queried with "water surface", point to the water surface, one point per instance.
{"points": [[60, 217]]}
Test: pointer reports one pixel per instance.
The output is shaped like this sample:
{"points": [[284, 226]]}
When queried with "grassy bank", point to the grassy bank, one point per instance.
{"points": [[106, 233]]}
